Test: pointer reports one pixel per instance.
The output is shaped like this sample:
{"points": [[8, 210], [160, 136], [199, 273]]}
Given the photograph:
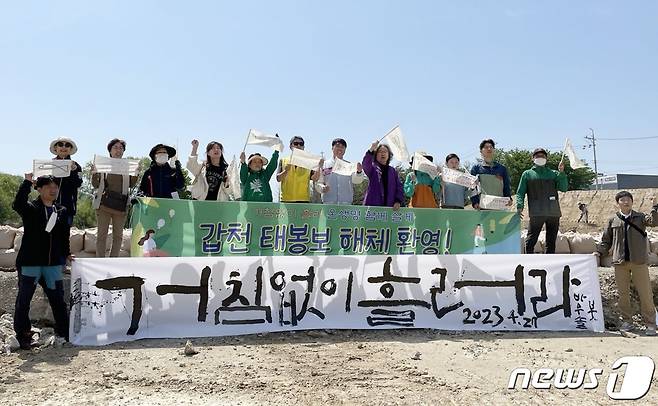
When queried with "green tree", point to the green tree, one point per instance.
{"points": [[518, 160], [8, 188]]}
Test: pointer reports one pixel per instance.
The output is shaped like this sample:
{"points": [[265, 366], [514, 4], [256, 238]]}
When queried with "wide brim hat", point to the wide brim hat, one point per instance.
{"points": [[74, 147], [171, 151], [257, 155]]}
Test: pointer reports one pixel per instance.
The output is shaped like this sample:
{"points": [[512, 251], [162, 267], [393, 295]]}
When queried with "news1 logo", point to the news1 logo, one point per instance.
{"points": [[635, 384]]}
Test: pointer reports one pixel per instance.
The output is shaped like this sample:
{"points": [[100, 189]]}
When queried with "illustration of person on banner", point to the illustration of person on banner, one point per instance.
{"points": [[423, 183], [455, 195], [210, 176], [541, 184], [63, 148], [296, 171], [493, 180], [384, 187], [112, 186], [42, 255], [339, 176], [160, 179], [625, 234]]}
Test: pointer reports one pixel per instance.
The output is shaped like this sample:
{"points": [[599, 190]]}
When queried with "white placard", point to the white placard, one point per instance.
{"points": [[123, 299], [343, 167], [59, 168], [425, 165], [458, 177], [494, 202], [304, 159], [117, 166]]}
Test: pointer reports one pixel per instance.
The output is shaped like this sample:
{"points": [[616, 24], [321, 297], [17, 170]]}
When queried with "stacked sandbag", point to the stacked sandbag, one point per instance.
{"points": [[18, 239], [77, 241], [539, 245], [582, 243], [562, 245], [7, 235], [7, 252]]}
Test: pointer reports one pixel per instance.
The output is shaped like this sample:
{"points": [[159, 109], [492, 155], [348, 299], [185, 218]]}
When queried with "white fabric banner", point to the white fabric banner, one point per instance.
{"points": [[494, 202], [574, 161], [233, 173], [123, 299], [304, 159], [343, 167], [395, 140], [425, 165], [59, 168], [449, 175], [118, 166], [256, 137]]}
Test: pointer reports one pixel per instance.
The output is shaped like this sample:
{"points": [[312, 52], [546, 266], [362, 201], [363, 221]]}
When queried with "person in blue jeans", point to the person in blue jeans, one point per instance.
{"points": [[42, 256]]}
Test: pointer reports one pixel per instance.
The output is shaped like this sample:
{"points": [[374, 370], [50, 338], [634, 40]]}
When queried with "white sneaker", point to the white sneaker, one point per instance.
{"points": [[650, 331]]}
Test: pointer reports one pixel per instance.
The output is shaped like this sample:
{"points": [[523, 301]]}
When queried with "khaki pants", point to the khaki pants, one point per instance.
{"points": [[626, 271], [104, 216]]}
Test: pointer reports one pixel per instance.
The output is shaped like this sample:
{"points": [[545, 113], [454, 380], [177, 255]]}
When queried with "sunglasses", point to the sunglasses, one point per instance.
{"points": [[297, 143], [64, 145]]}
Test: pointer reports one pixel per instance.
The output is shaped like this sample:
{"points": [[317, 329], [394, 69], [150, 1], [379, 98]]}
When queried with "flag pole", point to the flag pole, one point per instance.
{"points": [[390, 131], [246, 141]]}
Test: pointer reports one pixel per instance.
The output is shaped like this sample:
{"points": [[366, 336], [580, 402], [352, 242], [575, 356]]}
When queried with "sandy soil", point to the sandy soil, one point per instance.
{"points": [[322, 367]]}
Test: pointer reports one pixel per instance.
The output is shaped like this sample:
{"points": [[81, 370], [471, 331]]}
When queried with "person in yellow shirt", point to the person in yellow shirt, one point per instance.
{"points": [[294, 179]]}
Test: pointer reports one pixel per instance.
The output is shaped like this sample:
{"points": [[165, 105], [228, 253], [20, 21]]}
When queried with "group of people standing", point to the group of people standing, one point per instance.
{"points": [[47, 219]]}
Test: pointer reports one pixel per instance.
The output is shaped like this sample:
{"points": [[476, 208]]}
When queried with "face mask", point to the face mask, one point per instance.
{"points": [[161, 158], [540, 161]]}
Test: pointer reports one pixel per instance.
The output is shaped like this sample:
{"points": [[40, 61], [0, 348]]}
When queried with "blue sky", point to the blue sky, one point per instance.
{"points": [[450, 73]]}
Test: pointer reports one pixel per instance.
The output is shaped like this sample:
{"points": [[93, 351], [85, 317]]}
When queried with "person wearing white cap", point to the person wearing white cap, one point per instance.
{"points": [[255, 175], [63, 148]]}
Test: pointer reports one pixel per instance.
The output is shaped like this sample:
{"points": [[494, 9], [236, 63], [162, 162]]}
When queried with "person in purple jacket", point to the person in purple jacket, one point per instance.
{"points": [[384, 186]]}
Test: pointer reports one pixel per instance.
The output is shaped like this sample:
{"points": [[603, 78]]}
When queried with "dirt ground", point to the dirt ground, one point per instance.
{"points": [[322, 367]]}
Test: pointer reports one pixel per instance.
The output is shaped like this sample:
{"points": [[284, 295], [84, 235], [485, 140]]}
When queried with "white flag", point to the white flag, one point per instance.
{"points": [[571, 154], [118, 166], [425, 165], [256, 137], [233, 173], [458, 177], [304, 159], [343, 167], [59, 168], [494, 202], [395, 141]]}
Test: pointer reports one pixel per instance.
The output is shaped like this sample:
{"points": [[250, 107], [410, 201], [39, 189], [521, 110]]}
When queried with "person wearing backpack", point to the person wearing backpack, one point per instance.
{"points": [[625, 233]]}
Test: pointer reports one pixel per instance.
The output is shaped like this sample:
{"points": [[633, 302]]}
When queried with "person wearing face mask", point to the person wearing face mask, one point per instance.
{"points": [[160, 179], [385, 187], [111, 201], [63, 148], [541, 184], [210, 179]]}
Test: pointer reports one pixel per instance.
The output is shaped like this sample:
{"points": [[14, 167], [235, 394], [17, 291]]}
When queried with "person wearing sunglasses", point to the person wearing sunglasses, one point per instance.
{"points": [[63, 148], [295, 179]]}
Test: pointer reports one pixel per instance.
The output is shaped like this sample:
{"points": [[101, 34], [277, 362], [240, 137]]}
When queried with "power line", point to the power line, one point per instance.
{"points": [[627, 139]]}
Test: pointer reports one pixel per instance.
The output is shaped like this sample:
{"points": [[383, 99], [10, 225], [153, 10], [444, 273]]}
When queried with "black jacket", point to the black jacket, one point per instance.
{"points": [[39, 247], [162, 180], [68, 190]]}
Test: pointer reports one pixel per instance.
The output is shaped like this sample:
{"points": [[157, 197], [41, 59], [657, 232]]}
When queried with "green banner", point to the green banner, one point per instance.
{"points": [[186, 228]]}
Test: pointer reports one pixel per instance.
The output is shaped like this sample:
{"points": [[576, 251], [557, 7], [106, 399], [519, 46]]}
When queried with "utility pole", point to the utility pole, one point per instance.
{"points": [[592, 139]]}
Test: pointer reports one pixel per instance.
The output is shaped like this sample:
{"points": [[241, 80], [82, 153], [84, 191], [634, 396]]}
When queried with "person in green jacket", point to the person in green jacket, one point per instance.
{"points": [[421, 189], [255, 177], [541, 185]]}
